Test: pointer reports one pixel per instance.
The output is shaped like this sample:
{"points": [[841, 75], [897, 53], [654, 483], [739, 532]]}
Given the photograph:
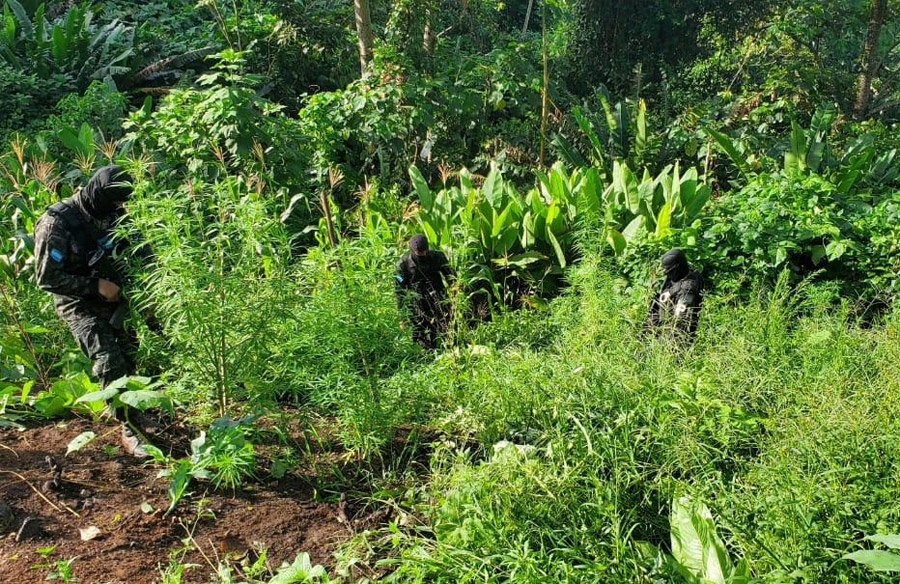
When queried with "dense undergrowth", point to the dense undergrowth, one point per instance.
{"points": [[561, 441], [563, 455]]}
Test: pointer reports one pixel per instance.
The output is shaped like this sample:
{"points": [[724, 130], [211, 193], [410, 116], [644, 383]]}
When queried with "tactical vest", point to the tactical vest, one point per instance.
{"points": [[90, 244], [425, 277]]}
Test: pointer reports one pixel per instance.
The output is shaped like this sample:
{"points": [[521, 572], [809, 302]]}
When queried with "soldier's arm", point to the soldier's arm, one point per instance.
{"points": [[653, 315], [52, 246], [401, 283], [444, 266], [689, 299]]}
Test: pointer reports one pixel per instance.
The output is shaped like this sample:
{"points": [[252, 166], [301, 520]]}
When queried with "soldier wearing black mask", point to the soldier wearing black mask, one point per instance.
{"points": [[421, 287], [75, 260], [676, 307]]}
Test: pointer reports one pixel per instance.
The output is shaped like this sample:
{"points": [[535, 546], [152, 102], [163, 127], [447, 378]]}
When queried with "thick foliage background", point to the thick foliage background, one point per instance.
{"points": [[553, 150]]}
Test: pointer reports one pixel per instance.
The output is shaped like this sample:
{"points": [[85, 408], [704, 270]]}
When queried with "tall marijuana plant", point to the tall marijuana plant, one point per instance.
{"points": [[218, 280]]}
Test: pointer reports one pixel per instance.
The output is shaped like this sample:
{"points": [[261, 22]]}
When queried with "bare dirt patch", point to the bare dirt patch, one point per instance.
{"points": [[102, 487]]}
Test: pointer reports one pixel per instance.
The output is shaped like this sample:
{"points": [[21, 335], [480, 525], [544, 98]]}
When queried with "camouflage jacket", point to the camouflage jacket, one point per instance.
{"points": [[72, 252], [678, 303], [422, 281]]}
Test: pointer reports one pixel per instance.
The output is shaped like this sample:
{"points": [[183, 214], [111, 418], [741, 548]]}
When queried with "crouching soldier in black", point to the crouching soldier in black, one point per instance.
{"points": [[675, 310], [75, 261], [421, 284]]}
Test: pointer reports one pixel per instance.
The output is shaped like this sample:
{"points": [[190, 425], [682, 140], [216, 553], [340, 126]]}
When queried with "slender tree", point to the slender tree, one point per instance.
{"points": [[871, 61], [364, 32]]}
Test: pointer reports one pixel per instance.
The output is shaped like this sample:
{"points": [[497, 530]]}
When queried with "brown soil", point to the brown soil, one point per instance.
{"points": [[107, 488]]}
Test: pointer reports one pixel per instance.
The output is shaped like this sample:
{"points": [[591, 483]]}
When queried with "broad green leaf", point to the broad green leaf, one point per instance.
{"points": [[143, 399], [878, 560], [731, 150], [620, 136], [701, 197], [817, 253], [590, 192], [430, 232], [890, 540], [70, 140], [819, 127], [626, 183], [528, 235], [835, 250], [687, 190], [554, 218], [507, 240], [60, 43], [300, 571], [588, 130], [426, 198], [568, 152], [80, 441], [179, 482], [646, 191], [780, 255], [102, 395], [559, 186], [695, 544], [616, 241], [797, 158], [560, 256], [156, 453], [493, 186], [86, 137], [634, 228], [522, 259], [663, 220], [502, 220], [22, 16]]}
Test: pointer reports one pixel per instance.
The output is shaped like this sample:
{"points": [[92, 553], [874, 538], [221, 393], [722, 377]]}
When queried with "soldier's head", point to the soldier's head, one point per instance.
{"points": [[106, 192], [418, 245], [675, 264]]}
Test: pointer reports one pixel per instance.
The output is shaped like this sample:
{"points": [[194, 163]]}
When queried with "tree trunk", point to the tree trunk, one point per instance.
{"points": [[527, 17], [429, 38], [870, 59], [364, 31], [545, 86]]}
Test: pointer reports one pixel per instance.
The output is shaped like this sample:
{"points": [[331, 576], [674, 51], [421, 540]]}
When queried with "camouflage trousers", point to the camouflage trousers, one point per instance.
{"points": [[428, 326], [110, 350]]}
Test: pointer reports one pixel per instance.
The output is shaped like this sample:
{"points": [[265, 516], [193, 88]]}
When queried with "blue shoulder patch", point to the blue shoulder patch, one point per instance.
{"points": [[399, 278], [57, 255]]}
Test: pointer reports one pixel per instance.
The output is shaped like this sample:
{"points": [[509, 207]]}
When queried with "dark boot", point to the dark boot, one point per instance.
{"points": [[132, 443], [7, 517]]}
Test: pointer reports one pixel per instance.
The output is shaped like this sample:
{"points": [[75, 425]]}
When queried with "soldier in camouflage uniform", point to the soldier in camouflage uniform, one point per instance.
{"points": [[675, 310], [421, 290], [75, 258]]}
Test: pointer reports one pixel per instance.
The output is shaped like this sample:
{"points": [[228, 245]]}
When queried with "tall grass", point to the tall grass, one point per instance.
{"points": [[560, 459]]}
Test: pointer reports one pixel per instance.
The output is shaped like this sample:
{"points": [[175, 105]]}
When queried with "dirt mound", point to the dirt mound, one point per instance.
{"points": [[101, 487]]}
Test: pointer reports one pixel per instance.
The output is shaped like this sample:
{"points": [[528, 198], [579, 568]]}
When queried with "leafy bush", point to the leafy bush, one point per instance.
{"points": [[227, 123], [222, 455], [72, 46], [509, 243], [24, 93], [823, 208], [301, 47], [100, 107]]}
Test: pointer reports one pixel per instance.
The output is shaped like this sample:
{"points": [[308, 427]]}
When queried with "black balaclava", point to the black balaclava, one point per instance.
{"points": [[675, 264], [108, 187], [418, 243]]}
